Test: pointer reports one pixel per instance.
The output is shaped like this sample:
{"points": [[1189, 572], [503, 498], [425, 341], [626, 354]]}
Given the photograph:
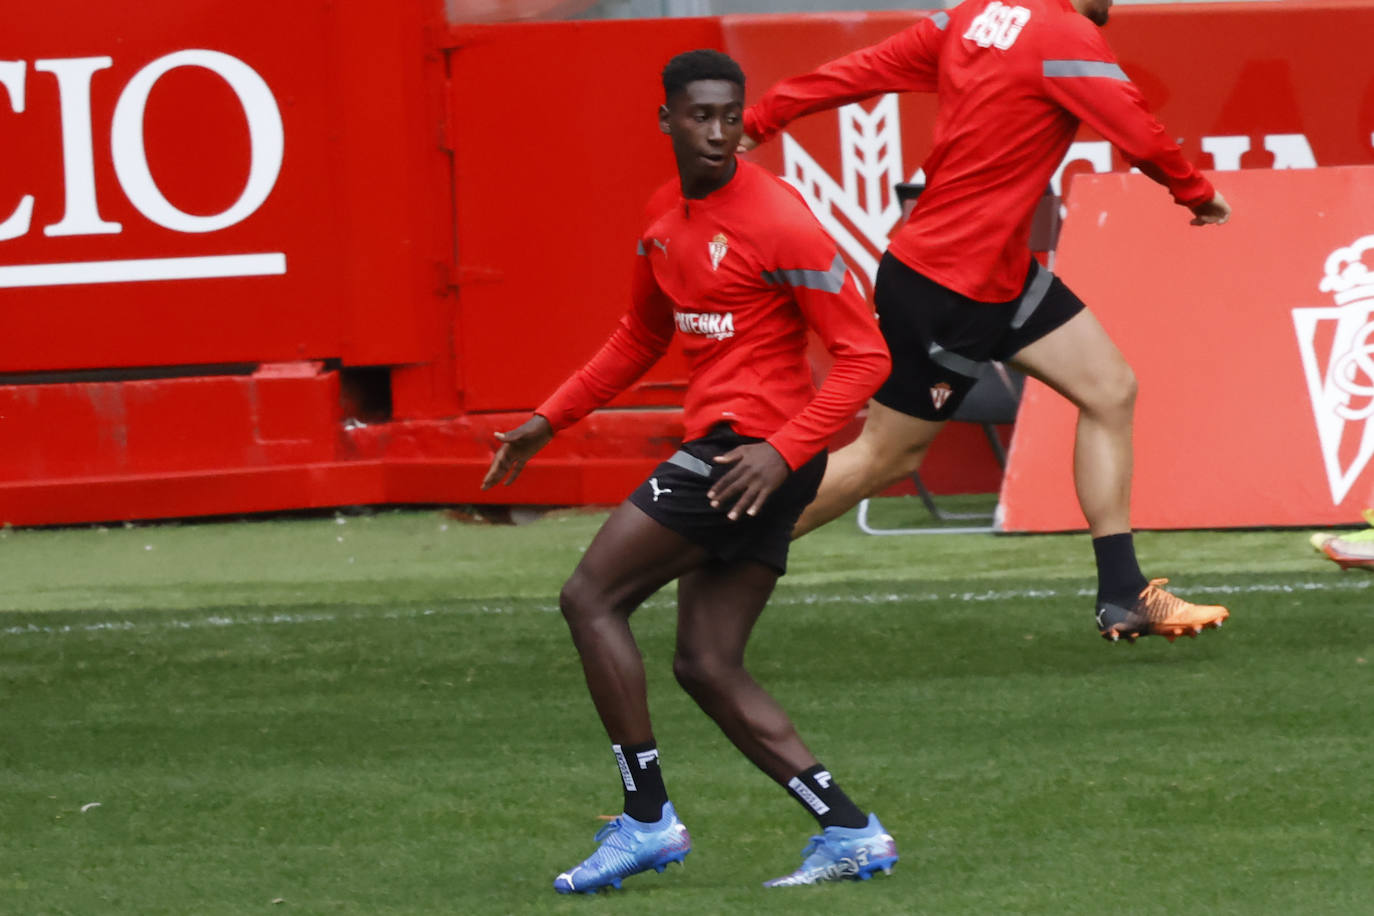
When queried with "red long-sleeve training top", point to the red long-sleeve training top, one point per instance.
{"points": [[1014, 80], [740, 274]]}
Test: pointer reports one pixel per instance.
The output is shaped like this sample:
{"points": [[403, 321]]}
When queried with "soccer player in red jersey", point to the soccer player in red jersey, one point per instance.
{"points": [[958, 287], [730, 258]]}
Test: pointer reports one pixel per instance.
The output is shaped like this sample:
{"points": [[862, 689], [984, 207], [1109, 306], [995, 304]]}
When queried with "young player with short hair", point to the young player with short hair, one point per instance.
{"points": [[732, 260], [958, 287]]}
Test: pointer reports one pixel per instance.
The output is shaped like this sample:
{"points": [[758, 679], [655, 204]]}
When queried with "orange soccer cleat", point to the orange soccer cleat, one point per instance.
{"points": [[1156, 612]]}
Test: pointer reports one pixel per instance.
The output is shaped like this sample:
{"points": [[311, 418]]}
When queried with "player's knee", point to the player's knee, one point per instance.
{"points": [[1117, 390], [702, 674], [906, 460], [690, 673], [1131, 387], [579, 599], [898, 461]]}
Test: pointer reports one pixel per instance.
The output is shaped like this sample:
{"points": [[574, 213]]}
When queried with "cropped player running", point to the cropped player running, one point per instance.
{"points": [[1348, 550], [958, 286], [731, 258]]}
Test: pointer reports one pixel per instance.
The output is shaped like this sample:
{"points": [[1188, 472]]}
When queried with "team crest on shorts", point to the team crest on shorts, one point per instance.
{"points": [[719, 246], [939, 393]]}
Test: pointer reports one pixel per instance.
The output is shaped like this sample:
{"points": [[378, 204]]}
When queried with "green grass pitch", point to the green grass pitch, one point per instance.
{"points": [[383, 714]]}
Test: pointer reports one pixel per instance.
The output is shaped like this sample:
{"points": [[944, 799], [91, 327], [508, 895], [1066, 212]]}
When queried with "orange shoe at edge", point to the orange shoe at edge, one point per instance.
{"points": [[1158, 613]]}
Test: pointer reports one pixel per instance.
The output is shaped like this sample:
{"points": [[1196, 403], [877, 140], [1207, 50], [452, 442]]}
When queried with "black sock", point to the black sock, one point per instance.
{"points": [[644, 792], [822, 797], [1119, 579]]}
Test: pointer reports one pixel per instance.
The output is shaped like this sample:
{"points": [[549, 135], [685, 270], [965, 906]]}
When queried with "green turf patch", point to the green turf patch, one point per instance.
{"points": [[396, 722]]}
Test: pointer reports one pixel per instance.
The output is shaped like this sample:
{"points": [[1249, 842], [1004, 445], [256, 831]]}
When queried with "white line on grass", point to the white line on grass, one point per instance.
{"points": [[784, 597], [1024, 593]]}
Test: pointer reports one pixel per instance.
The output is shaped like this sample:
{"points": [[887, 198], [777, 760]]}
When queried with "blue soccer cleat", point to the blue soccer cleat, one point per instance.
{"points": [[843, 853], [628, 847]]}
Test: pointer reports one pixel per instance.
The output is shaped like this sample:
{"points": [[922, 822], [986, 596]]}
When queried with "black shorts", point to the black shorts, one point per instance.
{"points": [[675, 497], [942, 342]]}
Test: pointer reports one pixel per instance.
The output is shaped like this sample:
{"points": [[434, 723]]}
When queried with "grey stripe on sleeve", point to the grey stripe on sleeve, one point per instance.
{"points": [[941, 19], [1031, 298], [830, 281], [691, 463], [639, 247], [956, 363], [1085, 68]]}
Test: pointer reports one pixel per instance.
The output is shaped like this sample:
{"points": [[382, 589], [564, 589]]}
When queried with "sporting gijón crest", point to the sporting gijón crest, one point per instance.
{"points": [[1340, 375], [719, 247]]}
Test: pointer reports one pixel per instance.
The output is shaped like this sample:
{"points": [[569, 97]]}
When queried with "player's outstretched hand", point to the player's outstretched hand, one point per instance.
{"points": [[746, 143], [517, 446], [758, 471], [1215, 212]]}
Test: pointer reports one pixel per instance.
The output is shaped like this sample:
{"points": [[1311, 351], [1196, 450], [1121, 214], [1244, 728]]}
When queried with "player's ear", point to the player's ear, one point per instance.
{"points": [[663, 120]]}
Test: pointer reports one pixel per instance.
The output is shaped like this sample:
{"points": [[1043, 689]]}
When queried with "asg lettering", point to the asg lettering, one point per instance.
{"points": [[998, 26], [81, 215]]}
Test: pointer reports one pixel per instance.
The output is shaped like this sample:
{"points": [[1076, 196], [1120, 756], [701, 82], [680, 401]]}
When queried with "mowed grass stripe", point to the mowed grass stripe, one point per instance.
{"points": [[783, 597], [378, 759]]}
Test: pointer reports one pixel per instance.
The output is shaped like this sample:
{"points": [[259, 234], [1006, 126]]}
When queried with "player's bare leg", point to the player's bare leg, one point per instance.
{"points": [[718, 605], [890, 448], [631, 557], [1080, 362]]}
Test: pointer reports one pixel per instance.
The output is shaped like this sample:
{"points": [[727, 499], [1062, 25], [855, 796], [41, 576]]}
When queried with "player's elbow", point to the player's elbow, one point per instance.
{"points": [[877, 367], [864, 365], [884, 363]]}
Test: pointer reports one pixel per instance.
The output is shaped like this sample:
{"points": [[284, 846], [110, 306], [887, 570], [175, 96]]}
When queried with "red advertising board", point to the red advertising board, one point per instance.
{"points": [[1251, 342], [184, 184], [315, 253]]}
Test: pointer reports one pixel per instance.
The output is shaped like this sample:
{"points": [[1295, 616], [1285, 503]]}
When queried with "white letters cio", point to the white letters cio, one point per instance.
{"points": [[81, 216]]}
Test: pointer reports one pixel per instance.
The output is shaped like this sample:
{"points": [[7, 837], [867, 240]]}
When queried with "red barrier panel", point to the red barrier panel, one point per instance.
{"points": [[1251, 342], [440, 216], [549, 205], [293, 186]]}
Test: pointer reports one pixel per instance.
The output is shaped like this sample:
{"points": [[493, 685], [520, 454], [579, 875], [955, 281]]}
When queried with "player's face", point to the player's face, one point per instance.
{"points": [[705, 121]]}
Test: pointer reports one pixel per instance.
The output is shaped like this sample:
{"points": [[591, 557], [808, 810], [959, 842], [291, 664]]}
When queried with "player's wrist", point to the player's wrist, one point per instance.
{"points": [[790, 455]]}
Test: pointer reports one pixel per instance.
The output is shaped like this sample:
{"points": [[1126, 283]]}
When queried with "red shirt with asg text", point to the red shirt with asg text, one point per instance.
{"points": [[1014, 80]]}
